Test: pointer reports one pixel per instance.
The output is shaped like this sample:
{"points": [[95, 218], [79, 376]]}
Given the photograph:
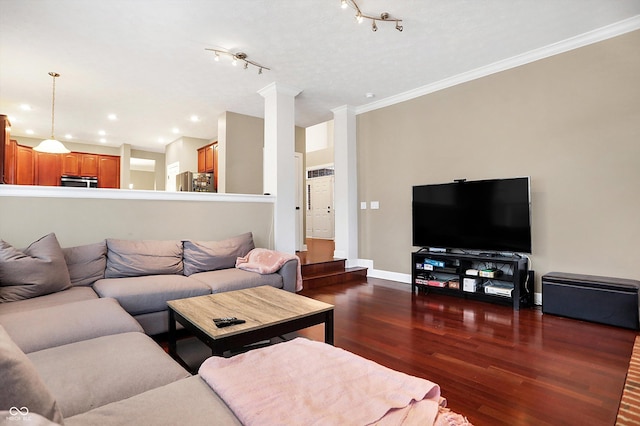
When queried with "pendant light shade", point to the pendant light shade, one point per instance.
{"points": [[52, 146]]}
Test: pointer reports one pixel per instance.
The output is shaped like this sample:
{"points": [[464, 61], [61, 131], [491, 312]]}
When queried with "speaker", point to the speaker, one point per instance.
{"points": [[612, 301]]}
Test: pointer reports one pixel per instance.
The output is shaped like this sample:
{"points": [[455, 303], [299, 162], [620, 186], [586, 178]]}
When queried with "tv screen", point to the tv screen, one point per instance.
{"points": [[491, 215]]}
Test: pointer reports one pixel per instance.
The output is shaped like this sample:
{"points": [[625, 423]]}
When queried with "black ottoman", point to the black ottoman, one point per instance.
{"points": [[612, 301]]}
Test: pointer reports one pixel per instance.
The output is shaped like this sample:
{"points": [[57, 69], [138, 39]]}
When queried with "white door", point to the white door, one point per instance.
{"points": [[172, 171], [321, 206]]}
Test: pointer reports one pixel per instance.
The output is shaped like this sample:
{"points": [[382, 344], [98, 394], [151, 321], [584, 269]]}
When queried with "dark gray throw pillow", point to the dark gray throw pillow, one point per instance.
{"points": [[201, 256], [86, 263], [35, 271]]}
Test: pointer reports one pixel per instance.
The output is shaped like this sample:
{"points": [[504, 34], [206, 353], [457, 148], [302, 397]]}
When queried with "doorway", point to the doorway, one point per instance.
{"points": [[320, 213]]}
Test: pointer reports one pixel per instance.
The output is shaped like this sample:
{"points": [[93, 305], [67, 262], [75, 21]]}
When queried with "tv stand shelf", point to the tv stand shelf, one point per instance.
{"points": [[445, 273]]}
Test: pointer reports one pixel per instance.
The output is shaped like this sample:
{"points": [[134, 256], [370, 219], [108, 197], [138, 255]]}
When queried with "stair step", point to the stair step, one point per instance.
{"points": [[334, 277], [335, 265]]}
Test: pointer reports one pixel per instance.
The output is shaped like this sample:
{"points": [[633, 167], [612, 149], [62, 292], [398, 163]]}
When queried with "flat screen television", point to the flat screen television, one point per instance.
{"points": [[486, 215]]}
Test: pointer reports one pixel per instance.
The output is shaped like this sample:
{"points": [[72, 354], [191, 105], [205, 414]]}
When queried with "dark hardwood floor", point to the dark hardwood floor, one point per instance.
{"points": [[495, 365]]}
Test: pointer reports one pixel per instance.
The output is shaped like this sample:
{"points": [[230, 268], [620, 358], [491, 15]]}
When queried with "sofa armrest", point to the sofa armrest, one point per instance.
{"points": [[289, 272]]}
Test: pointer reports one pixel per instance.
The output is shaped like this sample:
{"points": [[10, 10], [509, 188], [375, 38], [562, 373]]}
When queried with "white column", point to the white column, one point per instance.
{"points": [[279, 164], [346, 184]]}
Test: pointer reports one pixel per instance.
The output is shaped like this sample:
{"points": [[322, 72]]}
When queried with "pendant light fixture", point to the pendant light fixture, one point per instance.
{"points": [[52, 146]]}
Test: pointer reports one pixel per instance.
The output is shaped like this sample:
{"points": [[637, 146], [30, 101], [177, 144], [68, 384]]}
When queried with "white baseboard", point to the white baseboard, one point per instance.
{"points": [[537, 299]]}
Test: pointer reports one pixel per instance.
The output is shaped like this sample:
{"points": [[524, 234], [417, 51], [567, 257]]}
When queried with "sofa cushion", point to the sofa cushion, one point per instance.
{"points": [[59, 325], [134, 258], [70, 295], [139, 295], [37, 270], [88, 374], [21, 384], [86, 263], [201, 256], [185, 402], [236, 279]]}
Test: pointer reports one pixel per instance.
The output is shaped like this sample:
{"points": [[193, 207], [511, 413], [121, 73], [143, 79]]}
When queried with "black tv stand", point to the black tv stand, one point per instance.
{"points": [[445, 273]]}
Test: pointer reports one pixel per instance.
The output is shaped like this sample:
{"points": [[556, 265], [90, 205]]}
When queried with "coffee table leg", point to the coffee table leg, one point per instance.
{"points": [[328, 327], [172, 333]]}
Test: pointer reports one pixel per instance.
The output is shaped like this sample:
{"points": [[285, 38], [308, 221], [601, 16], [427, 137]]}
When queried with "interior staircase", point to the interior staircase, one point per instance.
{"points": [[334, 271]]}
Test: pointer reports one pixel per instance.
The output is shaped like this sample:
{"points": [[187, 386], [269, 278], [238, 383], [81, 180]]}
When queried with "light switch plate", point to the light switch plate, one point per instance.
{"points": [[375, 205], [363, 205]]}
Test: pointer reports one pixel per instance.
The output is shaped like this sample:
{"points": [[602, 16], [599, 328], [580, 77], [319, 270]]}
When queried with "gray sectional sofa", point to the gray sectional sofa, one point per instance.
{"points": [[75, 326]]}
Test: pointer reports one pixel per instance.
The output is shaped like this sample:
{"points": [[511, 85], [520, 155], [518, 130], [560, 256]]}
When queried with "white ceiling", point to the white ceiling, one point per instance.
{"points": [[145, 60]]}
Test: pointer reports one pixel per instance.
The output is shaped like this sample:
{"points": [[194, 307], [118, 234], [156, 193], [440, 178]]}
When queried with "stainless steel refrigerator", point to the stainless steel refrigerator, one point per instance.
{"points": [[195, 182]]}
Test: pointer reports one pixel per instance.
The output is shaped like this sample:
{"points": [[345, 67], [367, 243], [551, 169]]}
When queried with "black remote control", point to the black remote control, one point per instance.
{"points": [[227, 321]]}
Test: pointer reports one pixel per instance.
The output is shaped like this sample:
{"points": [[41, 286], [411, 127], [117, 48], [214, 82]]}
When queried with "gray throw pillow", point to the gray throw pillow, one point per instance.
{"points": [[136, 258], [86, 263], [35, 271], [202, 256], [22, 388]]}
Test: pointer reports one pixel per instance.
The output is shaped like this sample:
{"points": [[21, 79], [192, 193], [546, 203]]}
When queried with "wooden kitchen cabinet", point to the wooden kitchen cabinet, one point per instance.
{"points": [[10, 162], [80, 164], [108, 171], [24, 173], [207, 158], [89, 165], [47, 169]]}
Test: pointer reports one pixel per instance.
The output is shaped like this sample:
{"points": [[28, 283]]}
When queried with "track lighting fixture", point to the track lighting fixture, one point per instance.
{"points": [[235, 57], [384, 17]]}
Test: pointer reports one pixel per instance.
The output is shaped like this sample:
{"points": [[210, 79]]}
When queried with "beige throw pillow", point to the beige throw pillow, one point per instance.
{"points": [[201, 256], [35, 271], [136, 258]]}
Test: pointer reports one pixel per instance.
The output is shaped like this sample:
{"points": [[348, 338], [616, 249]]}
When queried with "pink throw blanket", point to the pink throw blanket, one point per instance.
{"points": [[265, 261], [302, 382]]}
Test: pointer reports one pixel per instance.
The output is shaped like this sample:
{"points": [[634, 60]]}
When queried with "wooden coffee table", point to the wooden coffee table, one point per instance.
{"points": [[268, 312]]}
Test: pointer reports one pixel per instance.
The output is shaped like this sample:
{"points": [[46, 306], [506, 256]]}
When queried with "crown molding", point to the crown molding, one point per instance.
{"points": [[591, 37]]}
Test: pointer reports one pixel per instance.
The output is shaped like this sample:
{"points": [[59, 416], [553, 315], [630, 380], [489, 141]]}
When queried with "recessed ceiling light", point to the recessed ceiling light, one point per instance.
{"points": [[112, 117], [102, 132], [68, 136], [175, 130], [29, 132], [25, 107], [103, 140], [194, 118], [369, 95]]}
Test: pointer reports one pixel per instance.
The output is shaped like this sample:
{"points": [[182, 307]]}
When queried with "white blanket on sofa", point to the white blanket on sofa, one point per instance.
{"points": [[302, 382]]}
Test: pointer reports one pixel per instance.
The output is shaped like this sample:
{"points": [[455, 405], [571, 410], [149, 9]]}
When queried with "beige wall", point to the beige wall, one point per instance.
{"points": [[241, 149], [82, 221], [324, 156], [244, 145], [158, 175], [141, 180], [571, 122], [184, 150]]}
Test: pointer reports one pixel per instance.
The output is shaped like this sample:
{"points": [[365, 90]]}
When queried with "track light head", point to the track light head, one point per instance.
{"points": [[383, 17]]}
